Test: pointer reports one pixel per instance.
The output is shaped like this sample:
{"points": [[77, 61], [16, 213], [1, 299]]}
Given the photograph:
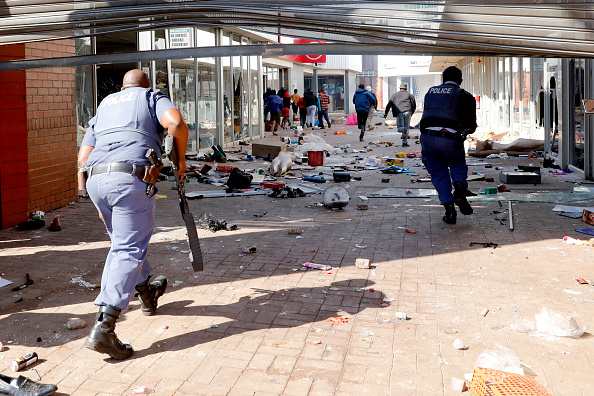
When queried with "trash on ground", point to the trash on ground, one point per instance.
{"points": [[28, 282], [142, 390], [298, 221], [4, 282], [24, 361], [485, 312], [281, 164], [410, 232], [250, 249], [500, 358], [317, 342], [214, 326], [336, 197], [76, 323], [295, 231], [55, 226], [368, 333], [401, 316], [322, 267], [362, 206], [24, 386], [362, 263], [557, 324], [582, 281], [485, 244], [286, 192], [572, 241], [277, 344], [459, 344], [361, 246], [587, 231], [208, 222], [459, 385], [337, 319], [485, 378]]}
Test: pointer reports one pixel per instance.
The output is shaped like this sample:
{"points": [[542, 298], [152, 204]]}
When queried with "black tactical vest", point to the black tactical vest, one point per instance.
{"points": [[442, 107]]}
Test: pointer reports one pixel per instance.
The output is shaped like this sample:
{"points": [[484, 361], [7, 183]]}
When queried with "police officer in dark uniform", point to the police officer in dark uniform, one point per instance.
{"points": [[448, 117], [113, 156]]}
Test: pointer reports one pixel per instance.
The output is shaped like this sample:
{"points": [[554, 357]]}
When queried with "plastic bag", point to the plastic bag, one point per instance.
{"points": [[500, 358], [315, 143], [557, 324], [281, 164], [351, 119]]}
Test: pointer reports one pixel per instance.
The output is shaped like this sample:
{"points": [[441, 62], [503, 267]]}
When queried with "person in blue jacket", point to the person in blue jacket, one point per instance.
{"points": [[274, 104], [363, 101]]}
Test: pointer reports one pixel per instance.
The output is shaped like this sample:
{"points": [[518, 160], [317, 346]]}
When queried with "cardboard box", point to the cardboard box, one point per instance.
{"points": [[263, 149], [519, 177], [588, 217]]}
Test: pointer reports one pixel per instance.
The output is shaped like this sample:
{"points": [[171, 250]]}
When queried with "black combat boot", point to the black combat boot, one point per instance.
{"points": [[460, 194], [450, 214], [149, 293], [103, 338]]}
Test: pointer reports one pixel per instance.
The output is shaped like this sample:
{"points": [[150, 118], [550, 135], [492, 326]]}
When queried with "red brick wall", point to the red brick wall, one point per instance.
{"points": [[14, 191], [51, 125]]}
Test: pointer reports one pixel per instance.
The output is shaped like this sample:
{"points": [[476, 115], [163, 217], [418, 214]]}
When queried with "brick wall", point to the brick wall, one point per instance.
{"points": [[14, 192], [51, 126]]}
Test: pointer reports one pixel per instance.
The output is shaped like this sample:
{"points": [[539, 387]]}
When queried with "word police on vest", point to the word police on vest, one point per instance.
{"points": [[124, 97], [441, 90]]}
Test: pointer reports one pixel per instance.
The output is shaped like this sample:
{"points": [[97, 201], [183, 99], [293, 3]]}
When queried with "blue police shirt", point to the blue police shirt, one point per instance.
{"points": [[117, 112]]}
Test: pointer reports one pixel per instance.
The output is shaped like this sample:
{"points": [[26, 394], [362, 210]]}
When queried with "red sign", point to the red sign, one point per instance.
{"points": [[307, 58]]}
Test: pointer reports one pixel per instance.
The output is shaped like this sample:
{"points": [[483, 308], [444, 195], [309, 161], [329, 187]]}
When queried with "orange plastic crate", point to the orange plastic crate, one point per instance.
{"points": [[489, 382]]}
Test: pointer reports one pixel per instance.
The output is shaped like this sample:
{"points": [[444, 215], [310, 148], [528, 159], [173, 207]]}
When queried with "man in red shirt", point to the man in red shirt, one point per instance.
{"points": [[323, 108]]}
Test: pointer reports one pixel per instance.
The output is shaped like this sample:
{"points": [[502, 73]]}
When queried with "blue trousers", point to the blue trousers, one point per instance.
{"points": [[445, 161], [324, 114], [129, 217], [403, 122]]}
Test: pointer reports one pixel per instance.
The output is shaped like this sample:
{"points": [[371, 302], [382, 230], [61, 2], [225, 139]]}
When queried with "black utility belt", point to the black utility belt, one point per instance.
{"points": [[441, 133], [138, 170]]}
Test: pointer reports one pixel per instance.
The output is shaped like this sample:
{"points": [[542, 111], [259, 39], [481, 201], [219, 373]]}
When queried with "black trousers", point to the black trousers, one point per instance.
{"points": [[362, 118]]}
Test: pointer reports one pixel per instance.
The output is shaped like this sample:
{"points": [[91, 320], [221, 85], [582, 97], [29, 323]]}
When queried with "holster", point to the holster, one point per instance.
{"points": [[151, 174]]}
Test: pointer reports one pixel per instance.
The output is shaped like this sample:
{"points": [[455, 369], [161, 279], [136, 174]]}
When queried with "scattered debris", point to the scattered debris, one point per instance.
{"points": [[459, 344], [317, 342], [410, 232], [209, 222], [485, 244], [250, 249], [362, 263], [77, 323], [214, 326], [500, 358], [28, 282], [295, 231], [523, 326], [459, 385], [298, 221], [557, 324], [142, 390], [82, 282], [401, 316], [485, 312], [55, 226], [322, 267], [337, 319], [4, 282], [336, 197]]}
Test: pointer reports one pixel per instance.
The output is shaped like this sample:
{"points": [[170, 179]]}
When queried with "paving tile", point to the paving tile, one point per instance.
{"points": [[271, 335]]}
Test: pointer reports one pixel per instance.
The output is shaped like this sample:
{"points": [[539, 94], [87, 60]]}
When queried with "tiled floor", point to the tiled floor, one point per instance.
{"points": [[271, 335]]}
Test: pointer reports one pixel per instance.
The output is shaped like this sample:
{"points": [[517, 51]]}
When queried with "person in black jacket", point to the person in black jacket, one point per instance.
{"points": [[311, 101], [449, 115]]}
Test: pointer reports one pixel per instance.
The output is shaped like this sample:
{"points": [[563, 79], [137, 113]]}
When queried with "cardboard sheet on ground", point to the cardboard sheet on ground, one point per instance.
{"points": [[587, 231], [395, 192]]}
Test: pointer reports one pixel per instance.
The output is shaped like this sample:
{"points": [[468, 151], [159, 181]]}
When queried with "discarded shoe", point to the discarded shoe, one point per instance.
{"points": [[23, 386], [149, 293], [31, 225], [55, 226]]}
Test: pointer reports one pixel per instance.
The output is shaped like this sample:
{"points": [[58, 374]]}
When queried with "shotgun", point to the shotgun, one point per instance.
{"points": [[195, 251]]}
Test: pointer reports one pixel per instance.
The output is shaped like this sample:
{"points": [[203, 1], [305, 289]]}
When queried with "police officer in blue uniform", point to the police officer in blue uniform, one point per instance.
{"points": [[448, 117], [113, 155]]}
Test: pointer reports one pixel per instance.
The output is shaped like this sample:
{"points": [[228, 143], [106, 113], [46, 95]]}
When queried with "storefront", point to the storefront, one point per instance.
{"points": [[220, 98], [536, 98]]}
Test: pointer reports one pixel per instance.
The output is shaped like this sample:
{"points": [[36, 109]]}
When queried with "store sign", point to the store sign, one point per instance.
{"points": [[180, 38], [307, 58]]}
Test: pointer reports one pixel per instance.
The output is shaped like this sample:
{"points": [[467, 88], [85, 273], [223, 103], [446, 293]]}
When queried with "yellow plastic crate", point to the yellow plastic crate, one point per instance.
{"points": [[488, 382]]}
